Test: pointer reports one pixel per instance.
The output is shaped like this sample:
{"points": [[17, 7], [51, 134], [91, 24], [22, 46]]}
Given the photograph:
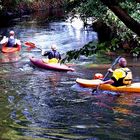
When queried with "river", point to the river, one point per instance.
{"points": [[44, 104]]}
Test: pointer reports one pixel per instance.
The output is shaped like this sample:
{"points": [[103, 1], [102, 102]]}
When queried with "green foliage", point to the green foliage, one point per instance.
{"points": [[136, 47], [97, 10], [92, 8], [13, 5], [108, 46], [123, 35], [132, 8], [29, 5], [87, 50]]}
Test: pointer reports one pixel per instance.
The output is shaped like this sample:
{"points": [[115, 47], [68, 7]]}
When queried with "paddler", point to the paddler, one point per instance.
{"points": [[53, 55], [120, 76], [11, 40]]}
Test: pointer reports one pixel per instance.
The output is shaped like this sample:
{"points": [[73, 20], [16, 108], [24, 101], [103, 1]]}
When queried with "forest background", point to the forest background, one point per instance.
{"points": [[117, 22]]}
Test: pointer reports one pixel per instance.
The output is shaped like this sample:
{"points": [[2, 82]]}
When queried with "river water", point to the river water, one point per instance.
{"points": [[44, 104]]}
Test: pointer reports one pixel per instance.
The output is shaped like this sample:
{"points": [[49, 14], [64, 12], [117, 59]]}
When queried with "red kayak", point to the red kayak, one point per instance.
{"points": [[51, 66], [6, 49]]}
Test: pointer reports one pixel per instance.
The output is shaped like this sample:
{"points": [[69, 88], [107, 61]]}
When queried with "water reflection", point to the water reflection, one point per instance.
{"points": [[9, 57]]}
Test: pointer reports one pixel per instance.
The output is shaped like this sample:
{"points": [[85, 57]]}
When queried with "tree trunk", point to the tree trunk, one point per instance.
{"points": [[138, 1], [123, 16]]}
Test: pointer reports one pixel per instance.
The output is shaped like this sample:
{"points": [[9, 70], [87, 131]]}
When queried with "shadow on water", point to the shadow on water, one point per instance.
{"points": [[44, 104]]}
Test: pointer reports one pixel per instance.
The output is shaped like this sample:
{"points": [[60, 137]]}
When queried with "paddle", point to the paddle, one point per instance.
{"points": [[29, 45], [112, 66]]}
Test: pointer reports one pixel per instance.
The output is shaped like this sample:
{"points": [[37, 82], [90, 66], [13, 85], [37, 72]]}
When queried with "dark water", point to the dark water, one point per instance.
{"points": [[42, 104]]}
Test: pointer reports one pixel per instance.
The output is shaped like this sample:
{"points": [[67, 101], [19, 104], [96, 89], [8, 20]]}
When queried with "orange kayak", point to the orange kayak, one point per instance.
{"points": [[6, 49], [134, 87]]}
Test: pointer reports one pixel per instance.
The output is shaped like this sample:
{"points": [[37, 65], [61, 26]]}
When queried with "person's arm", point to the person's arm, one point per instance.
{"points": [[110, 70], [44, 53], [110, 81], [17, 41], [4, 40], [59, 56]]}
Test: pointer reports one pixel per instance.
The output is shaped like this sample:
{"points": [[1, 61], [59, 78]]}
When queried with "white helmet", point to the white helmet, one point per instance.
{"points": [[11, 32], [54, 47]]}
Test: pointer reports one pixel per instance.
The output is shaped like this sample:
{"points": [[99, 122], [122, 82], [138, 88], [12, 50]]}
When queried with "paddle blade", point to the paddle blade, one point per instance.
{"points": [[29, 45]]}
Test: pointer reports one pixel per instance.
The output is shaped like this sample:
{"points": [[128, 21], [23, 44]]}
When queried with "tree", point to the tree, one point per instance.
{"points": [[122, 14], [128, 11]]}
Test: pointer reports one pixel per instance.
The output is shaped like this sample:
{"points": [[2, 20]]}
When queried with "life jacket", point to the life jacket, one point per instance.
{"points": [[54, 54], [11, 42], [122, 76], [50, 61], [127, 80]]}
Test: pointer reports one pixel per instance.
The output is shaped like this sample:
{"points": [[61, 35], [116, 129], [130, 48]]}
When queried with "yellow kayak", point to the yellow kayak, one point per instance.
{"points": [[134, 87]]}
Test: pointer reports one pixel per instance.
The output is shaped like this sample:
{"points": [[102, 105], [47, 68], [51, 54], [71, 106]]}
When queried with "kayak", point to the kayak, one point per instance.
{"points": [[51, 66], [6, 49], [134, 87]]}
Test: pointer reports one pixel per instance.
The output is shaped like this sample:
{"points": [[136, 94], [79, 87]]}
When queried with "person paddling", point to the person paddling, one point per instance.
{"points": [[10, 41], [120, 76], [53, 55]]}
